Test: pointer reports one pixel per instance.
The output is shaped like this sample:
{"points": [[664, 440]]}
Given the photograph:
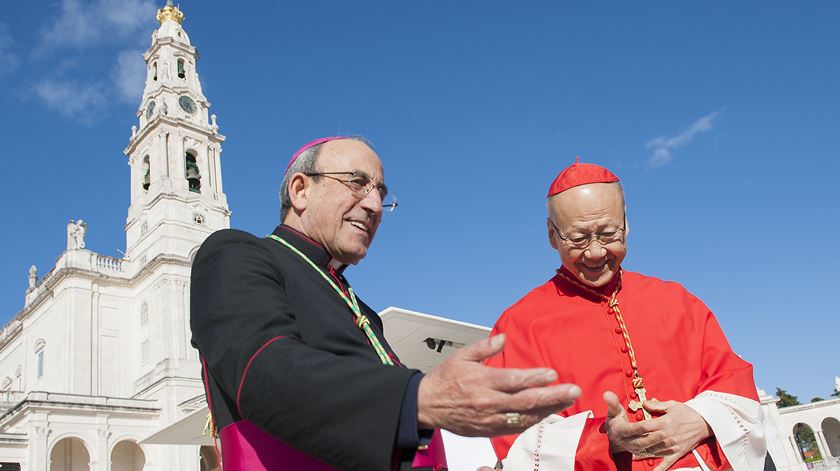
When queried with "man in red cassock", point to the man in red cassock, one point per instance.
{"points": [[662, 389]]}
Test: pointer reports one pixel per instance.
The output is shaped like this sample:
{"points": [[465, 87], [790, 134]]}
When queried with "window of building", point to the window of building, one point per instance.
{"points": [[193, 174], [39, 364], [154, 71], [144, 314], [147, 173], [40, 345], [181, 72]]}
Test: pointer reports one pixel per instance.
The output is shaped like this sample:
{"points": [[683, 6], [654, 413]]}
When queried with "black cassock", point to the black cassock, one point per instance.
{"points": [[281, 350]]}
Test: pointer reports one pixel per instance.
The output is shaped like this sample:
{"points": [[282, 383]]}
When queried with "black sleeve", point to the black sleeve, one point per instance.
{"points": [[340, 409]]}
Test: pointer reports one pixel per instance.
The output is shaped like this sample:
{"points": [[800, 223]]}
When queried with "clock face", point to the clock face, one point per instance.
{"points": [[150, 109], [187, 104]]}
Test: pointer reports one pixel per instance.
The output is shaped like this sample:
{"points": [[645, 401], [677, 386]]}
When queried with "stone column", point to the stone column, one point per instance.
{"points": [[796, 451], [160, 167], [39, 451], [177, 164], [103, 436], [822, 445], [217, 154]]}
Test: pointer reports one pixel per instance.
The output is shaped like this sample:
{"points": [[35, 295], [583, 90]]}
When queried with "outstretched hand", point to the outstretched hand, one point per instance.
{"points": [[677, 430], [465, 397]]}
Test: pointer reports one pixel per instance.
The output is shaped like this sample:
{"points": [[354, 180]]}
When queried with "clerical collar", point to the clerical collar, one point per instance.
{"points": [[605, 291], [315, 251]]}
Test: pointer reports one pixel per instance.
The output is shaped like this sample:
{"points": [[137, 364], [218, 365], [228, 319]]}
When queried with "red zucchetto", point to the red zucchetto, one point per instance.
{"points": [[580, 174]]}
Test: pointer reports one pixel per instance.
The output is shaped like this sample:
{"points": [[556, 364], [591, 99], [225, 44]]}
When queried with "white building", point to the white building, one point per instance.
{"points": [[96, 371], [99, 357]]}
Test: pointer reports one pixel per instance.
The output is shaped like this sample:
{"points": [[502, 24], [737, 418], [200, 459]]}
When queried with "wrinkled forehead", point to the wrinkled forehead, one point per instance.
{"points": [[585, 203], [349, 155]]}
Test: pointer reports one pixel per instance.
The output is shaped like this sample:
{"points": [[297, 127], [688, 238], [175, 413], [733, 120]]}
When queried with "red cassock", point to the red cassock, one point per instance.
{"points": [[680, 350]]}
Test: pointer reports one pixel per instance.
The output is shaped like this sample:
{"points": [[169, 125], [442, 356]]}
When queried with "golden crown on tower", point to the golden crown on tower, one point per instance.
{"points": [[170, 12]]}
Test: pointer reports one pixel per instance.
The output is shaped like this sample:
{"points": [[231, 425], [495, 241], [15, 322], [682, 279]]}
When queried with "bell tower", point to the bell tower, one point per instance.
{"points": [[174, 152]]}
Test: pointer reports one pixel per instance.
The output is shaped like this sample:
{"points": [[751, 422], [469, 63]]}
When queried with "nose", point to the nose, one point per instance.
{"points": [[595, 250], [372, 201]]}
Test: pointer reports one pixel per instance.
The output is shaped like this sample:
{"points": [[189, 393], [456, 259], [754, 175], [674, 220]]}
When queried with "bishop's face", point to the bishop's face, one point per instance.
{"points": [[584, 212], [344, 224]]}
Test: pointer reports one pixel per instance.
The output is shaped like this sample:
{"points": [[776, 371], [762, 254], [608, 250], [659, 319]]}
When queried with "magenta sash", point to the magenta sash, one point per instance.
{"points": [[246, 447]]}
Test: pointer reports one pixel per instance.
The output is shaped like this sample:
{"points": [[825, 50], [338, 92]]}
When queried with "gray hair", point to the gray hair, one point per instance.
{"points": [[305, 164]]}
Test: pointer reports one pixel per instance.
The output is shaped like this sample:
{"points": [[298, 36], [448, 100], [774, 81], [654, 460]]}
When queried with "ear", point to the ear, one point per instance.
{"points": [[626, 226], [299, 187], [551, 233]]}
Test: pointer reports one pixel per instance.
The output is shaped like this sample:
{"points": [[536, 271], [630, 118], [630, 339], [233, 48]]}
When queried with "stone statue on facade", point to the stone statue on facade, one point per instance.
{"points": [[76, 234], [837, 383], [33, 276]]}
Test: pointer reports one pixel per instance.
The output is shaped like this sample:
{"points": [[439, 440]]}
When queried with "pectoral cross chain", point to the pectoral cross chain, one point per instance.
{"points": [[639, 405]]}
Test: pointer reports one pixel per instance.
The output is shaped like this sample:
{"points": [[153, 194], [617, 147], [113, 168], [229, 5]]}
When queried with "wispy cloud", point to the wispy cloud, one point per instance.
{"points": [[87, 24], [83, 101], [8, 57], [108, 37], [130, 75], [663, 145]]}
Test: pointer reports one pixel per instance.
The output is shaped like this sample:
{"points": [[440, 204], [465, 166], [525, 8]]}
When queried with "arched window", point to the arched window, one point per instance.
{"points": [[831, 432], [147, 173], [181, 71], [70, 454], [806, 441], [192, 172], [127, 456], [40, 346], [154, 71]]}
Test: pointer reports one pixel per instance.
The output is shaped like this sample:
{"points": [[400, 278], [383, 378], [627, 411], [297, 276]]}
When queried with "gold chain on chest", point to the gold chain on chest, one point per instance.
{"points": [[612, 305]]}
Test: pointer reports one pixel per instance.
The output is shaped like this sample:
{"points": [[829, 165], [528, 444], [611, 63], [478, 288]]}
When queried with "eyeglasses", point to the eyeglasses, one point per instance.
{"points": [[360, 185], [584, 241]]}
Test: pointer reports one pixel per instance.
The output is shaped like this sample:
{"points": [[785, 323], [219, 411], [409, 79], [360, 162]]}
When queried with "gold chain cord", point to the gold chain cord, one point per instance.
{"points": [[612, 303]]}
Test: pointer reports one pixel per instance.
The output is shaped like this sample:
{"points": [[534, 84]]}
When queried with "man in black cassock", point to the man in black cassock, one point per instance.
{"points": [[297, 370]]}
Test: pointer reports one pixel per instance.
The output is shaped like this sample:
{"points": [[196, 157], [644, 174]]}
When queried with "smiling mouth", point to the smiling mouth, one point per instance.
{"points": [[595, 268], [359, 225]]}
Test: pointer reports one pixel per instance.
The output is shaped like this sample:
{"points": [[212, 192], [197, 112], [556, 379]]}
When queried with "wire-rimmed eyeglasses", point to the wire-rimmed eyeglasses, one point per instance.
{"points": [[360, 185], [583, 241]]}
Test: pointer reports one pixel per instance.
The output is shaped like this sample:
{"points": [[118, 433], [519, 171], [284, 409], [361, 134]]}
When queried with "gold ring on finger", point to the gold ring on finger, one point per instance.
{"points": [[513, 419]]}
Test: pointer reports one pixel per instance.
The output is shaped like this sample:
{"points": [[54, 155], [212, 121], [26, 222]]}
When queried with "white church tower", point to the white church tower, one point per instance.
{"points": [[99, 357], [174, 153]]}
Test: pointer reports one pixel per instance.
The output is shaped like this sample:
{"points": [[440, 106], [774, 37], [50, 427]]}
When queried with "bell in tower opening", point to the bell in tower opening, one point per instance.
{"points": [[193, 174]]}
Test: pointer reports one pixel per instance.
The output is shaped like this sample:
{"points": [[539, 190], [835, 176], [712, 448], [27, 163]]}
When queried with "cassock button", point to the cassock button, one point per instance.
{"points": [[624, 349], [634, 395], [618, 330], [651, 461], [639, 416], [628, 373]]}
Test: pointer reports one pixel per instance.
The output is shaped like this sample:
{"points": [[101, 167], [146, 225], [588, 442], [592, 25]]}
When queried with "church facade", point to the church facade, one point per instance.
{"points": [[99, 357]]}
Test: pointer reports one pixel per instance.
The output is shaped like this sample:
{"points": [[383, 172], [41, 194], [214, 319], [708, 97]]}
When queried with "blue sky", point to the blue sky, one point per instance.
{"points": [[721, 118]]}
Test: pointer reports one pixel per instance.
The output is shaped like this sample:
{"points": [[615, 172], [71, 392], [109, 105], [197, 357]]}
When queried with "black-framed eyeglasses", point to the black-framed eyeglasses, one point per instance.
{"points": [[583, 241], [360, 185]]}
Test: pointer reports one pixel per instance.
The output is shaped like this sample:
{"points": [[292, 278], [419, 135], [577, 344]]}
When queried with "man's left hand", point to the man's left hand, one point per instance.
{"points": [[677, 431]]}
